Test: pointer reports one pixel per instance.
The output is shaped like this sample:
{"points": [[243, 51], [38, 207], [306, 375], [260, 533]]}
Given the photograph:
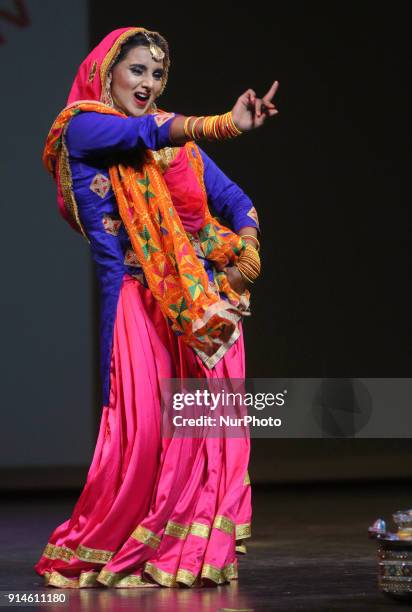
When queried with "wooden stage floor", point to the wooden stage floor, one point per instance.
{"points": [[309, 551]]}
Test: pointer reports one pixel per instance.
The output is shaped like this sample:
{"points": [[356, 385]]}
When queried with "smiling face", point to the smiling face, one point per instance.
{"points": [[136, 81]]}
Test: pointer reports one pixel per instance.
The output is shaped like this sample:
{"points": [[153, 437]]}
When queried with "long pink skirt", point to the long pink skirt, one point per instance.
{"points": [[154, 511]]}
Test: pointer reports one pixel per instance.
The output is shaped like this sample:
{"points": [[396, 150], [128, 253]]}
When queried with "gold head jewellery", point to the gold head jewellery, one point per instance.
{"points": [[155, 51]]}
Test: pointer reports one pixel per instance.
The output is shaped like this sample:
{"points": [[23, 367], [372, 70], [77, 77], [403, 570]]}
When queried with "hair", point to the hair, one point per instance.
{"points": [[140, 40]]}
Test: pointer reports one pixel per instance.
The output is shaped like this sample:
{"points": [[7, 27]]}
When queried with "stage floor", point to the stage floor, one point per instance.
{"points": [[309, 551]]}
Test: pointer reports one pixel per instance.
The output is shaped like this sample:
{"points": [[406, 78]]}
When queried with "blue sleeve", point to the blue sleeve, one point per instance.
{"points": [[91, 133], [228, 200]]}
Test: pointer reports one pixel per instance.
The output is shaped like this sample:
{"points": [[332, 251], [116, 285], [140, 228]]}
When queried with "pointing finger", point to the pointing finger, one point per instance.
{"points": [[272, 91]]}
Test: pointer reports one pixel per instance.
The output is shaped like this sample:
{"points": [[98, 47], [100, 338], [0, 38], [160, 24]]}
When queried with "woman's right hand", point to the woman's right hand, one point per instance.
{"points": [[236, 280], [251, 112]]}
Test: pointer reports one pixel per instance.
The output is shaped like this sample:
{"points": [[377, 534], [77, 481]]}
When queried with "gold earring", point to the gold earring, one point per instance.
{"points": [[107, 94]]}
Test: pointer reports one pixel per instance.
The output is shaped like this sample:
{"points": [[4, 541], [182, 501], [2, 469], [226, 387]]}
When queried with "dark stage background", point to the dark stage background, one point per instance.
{"points": [[325, 176]]}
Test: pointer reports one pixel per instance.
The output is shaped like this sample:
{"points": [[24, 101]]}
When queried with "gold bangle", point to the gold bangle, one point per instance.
{"points": [[249, 247], [198, 133], [228, 125], [233, 124], [244, 275], [250, 252], [194, 126], [252, 265], [206, 126], [223, 124], [250, 256], [249, 271], [215, 126], [254, 272], [253, 238], [185, 125], [249, 277]]}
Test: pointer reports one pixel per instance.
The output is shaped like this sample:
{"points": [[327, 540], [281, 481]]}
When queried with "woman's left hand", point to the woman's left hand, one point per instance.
{"points": [[251, 112], [236, 280]]}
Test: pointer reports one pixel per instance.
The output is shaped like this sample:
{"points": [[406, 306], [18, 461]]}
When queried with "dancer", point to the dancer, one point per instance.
{"points": [[174, 285]]}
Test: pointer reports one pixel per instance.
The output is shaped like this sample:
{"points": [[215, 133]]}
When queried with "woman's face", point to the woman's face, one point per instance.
{"points": [[136, 81]]}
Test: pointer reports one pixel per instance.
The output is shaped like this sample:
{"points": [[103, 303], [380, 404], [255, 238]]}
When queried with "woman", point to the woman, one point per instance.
{"points": [[173, 288]]}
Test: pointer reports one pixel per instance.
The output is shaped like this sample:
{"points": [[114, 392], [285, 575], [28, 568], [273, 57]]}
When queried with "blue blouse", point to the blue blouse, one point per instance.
{"points": [[94, 142]]}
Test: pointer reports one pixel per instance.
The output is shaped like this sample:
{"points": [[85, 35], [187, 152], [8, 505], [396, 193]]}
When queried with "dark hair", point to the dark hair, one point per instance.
{"points": [[140, 40]]}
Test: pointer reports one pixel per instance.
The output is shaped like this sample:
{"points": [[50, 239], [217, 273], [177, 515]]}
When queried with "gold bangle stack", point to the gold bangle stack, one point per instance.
{"points": [[214, 127], [248, 263]]}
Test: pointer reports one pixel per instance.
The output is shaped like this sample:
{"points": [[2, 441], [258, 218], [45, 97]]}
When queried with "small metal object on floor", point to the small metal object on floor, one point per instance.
{"points": [[394, 555]]}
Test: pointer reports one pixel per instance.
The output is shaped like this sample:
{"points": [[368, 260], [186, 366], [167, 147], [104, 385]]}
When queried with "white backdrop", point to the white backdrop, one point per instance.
{"points": [[46, 293]]}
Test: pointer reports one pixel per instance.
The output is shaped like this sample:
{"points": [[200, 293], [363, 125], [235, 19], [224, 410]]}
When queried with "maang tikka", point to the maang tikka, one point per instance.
{"points": [[155, 51]]}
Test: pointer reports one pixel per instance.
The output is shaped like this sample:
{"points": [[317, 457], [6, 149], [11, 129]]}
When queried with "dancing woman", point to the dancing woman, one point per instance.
{"points": [[174, 285]]}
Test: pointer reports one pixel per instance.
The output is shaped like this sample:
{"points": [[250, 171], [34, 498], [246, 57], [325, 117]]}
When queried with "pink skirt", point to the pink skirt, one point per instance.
{"points": [[154, 511]]}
